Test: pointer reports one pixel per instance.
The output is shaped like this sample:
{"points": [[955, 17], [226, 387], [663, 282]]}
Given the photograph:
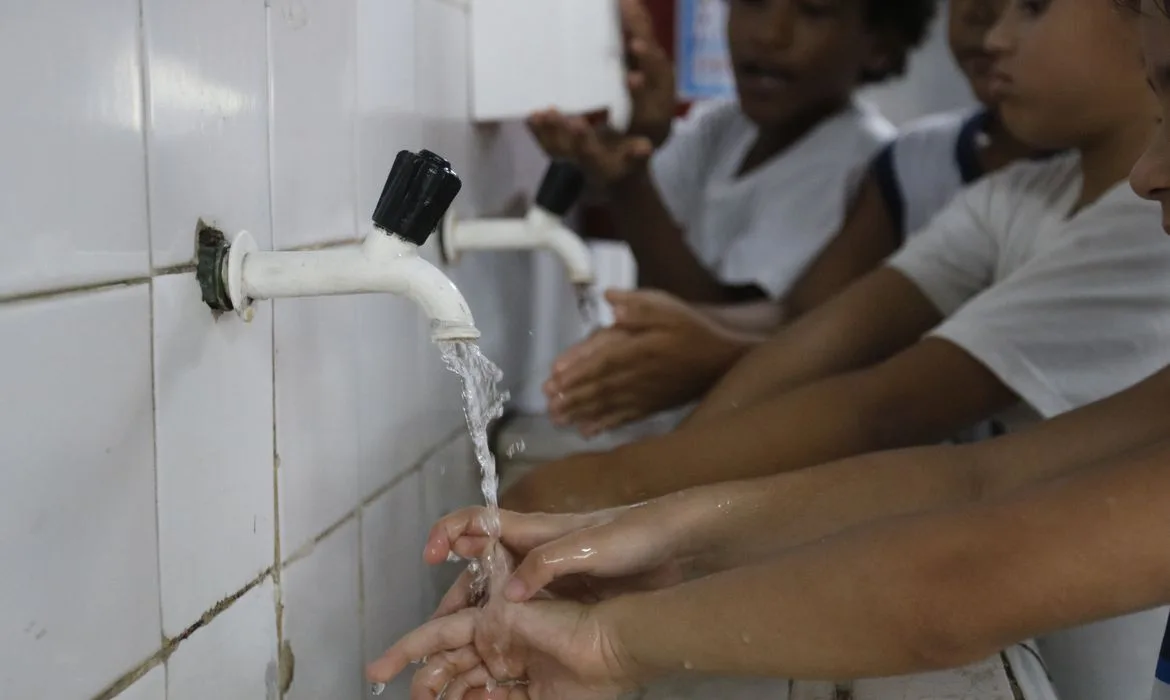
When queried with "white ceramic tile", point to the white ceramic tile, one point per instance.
{"points": [[443, 61], [395, 579], [313, 83], [213, 407], [317, 383], [152, 686], [322, 620], [207, 63], [72, 190], [233, 657], [407, 403], [392, 431], [77, 513], [385, 55]]}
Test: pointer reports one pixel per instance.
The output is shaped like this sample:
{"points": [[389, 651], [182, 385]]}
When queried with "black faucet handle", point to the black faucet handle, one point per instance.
{"points": [[561, 186], [418, 192]]}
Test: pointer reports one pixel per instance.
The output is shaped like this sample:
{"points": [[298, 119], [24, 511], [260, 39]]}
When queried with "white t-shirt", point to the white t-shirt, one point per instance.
{"points": [[925, 167], [1065, 308], [763, 228]]}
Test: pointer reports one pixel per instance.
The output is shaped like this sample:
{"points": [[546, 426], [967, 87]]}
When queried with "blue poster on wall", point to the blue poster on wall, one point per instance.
{"points": [[703, 66]]}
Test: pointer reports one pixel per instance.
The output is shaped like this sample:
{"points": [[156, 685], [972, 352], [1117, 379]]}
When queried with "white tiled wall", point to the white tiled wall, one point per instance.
{"points": [[181, 496]]}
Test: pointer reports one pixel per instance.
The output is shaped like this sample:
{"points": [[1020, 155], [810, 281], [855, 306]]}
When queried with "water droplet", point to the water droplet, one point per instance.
{"points": [[746, 639], [688, 665], [377, 688]]}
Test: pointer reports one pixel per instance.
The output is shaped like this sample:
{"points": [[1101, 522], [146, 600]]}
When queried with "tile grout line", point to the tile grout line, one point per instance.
{"points": [[182, 268], [283, 663], [170, 645], [306, 549], [103, 286], [144, 92]]}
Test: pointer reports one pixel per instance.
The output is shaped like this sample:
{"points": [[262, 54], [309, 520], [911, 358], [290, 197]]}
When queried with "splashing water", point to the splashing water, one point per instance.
{"points": [[483, 402]]}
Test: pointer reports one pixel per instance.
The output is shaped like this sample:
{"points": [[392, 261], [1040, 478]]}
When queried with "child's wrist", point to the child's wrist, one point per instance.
{"points": [[656, 132]]}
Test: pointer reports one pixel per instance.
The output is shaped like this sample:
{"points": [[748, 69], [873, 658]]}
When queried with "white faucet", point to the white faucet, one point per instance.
{"points": [[418, 192], [541, 229]]}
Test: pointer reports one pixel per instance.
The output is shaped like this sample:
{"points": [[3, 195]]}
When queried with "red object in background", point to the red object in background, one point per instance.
{"points": [[595, 220]]}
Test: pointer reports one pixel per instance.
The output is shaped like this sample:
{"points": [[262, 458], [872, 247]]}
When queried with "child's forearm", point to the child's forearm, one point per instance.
{"points": [[877, 317], [733, 524], [665, 260], [916, 593], [752, 322]]}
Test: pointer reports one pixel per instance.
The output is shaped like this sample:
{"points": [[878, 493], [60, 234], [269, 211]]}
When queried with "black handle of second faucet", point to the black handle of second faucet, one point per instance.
{"points": [[418, 192], [561, 186]]}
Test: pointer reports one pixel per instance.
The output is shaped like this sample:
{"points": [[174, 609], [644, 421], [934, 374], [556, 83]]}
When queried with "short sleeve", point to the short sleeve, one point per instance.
{"points": [[955, 257], [678, 167], [1080, 322]]}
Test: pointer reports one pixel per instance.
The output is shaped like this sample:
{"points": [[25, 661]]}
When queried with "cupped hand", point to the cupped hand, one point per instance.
{"points": [[661, 353], [542, 650], [585, 558], [606, 156]]}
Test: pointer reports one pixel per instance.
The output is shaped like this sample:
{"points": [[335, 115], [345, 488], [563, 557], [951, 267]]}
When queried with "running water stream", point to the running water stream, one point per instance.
{"points": [[483, 402]]}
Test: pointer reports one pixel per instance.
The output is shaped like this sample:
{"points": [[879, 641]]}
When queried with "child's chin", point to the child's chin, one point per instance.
{"points": [[764, 114]]}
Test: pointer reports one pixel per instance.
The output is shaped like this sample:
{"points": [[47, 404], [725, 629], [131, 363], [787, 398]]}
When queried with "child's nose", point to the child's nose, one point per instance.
{"points": [[1150, 177]]}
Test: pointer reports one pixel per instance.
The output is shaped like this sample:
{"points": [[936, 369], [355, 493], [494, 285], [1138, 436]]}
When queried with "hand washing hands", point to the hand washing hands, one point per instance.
{"points": [[660, 353], [540, 650], [534, 649]]}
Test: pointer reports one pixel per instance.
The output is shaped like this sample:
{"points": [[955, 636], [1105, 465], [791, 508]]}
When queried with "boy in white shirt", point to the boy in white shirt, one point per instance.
{"points": [[662, 353], [740, 196]]}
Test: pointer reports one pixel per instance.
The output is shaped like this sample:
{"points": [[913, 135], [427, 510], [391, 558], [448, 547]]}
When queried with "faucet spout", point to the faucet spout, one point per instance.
{"points": [[543, 228], [418, 192], [383, 263], [567, 245], [539, 230]]}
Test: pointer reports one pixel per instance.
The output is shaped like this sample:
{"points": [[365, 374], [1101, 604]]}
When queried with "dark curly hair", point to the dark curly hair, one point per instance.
{"points": [[906, 22]]}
